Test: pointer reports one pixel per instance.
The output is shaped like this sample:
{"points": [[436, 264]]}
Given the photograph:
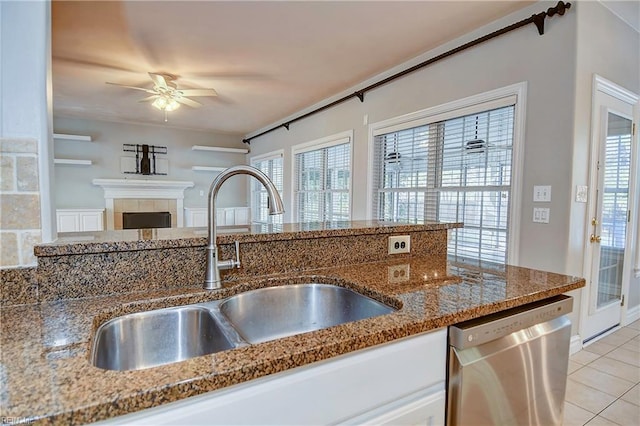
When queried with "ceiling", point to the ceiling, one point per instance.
{"points": [[265, 59]]}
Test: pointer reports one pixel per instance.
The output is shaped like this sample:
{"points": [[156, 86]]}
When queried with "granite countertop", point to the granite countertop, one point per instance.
{"points": [[45, 374], [145, 239]]}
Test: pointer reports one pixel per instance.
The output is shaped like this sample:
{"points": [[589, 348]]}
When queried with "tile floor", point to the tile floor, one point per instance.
{"points": [[603, 387]]}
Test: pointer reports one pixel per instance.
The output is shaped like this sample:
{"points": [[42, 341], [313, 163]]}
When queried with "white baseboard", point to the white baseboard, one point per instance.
{"points": [[575, 345], [633, 314]]}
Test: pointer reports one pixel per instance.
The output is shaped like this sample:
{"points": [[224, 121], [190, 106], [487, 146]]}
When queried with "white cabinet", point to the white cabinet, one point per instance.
{"points": [[78, 220], [401, 382], [225, 216]]}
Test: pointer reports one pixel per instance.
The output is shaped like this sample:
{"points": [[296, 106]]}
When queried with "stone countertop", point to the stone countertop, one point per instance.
{"points": [[45, 374], [146, 239]]}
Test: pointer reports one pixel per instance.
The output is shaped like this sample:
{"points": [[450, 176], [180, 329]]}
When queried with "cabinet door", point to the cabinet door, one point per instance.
{"points": [[422, 408], [91, 221], [68, 221]]}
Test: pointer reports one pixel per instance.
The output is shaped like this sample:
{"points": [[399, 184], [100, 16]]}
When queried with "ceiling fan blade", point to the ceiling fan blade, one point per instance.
{"points": [[198, 92], [189, 102], [149, 98], [132, 87], [159, 80]]}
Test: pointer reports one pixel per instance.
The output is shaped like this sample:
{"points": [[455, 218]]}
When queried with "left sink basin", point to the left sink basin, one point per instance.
{"points": [[163, 336]]}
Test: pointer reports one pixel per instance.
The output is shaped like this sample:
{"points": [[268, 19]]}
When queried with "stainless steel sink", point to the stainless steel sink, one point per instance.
{"points": [[163, 336], [275, 312]]}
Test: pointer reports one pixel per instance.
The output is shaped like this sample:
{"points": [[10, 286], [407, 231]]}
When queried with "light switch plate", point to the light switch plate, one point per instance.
{"points": [[541, 214], [542, 193]]}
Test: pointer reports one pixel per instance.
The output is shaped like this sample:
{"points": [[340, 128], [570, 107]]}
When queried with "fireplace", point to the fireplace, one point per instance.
{"points": [[142, 196], [143, 220]]}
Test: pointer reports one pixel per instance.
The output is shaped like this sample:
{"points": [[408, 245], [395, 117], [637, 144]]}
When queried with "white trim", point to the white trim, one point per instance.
{"points": [[444, 112], [207, 168], [575, 344], [79, 138], [267, 156], [515, 94], [72, 161], [603, 85], [326, 142], [220, 149], [633, 314]]}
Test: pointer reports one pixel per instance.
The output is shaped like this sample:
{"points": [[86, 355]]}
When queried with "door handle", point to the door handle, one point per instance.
{"points": [[595, 238]]}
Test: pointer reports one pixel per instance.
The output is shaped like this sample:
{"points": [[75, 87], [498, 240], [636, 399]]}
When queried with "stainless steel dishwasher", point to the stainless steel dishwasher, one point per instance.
{"points": [[510, 368]]}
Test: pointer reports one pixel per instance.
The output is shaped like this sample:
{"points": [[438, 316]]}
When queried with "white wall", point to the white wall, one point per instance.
{"points": [[546, 63], [73, 186]]}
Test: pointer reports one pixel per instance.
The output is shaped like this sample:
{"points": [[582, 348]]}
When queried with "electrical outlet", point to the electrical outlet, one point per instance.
{"points": [[399, 244], [398, 273]]}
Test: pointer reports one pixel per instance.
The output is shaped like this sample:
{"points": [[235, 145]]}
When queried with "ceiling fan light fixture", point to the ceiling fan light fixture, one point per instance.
{"points": [[166, 103]]}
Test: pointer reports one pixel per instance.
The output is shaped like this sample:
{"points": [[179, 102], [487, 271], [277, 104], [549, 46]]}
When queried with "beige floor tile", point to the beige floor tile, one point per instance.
{"points": [[574, 415], [599, 348], [615, 339], [573, 366], [633, 396], [600, 421], [586, 397], [602, 381], [632, 345], [622, 412], [584, 357], [616, 368], [635, 325], [625, 355], [628, 332]]}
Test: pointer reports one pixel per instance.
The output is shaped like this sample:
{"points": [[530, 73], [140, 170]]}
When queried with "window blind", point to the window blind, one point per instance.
{"points": [[272, 167], [455, 170], [322, 183], [617, 169]]}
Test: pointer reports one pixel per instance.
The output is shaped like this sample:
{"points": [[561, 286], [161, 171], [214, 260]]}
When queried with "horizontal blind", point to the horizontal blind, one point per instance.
{"points": [[457, 170], [322, 183], [617, 169], [272, 167]]}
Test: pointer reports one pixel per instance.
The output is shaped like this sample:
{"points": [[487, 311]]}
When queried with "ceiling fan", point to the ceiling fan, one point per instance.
{"points": [[165, 94]]}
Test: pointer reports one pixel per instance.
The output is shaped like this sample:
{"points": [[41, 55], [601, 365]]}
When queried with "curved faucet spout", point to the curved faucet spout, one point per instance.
{"points": [[212, 279]]}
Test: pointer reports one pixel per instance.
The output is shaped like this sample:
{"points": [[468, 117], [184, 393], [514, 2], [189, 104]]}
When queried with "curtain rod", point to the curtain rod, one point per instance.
{"points": [[537, 19]]}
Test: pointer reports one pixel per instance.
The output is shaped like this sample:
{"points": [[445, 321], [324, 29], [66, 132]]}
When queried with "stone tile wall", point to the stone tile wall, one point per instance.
{"points": [[19, 202]]}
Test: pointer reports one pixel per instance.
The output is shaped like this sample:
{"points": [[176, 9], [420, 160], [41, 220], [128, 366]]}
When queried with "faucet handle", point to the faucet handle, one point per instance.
{"points": [[237, 262]]}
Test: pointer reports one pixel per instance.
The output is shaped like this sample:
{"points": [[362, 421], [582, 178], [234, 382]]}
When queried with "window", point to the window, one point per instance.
{"points": [[322, 180], [453, 167], [271, 165]]}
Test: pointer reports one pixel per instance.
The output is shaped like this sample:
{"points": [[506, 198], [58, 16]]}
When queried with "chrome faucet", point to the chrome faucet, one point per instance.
{"points": [[212, 279]]}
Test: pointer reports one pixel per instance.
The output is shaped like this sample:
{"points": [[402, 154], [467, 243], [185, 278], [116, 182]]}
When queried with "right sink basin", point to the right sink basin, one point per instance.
{"points": [[274, 312]]}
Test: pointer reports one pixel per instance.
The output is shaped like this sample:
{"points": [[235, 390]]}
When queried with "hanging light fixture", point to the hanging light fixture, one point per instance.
{"points": [[167, 103]]}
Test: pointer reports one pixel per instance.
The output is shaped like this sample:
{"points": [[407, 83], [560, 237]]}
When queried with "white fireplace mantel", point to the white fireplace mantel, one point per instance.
{"points": [[143, 189]]}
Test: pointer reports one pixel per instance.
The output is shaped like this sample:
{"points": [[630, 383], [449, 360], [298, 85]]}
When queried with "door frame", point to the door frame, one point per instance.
{"points": [[607, 87]]}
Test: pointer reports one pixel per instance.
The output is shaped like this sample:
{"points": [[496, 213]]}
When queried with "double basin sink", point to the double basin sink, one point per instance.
{"points": [[163, 336]]}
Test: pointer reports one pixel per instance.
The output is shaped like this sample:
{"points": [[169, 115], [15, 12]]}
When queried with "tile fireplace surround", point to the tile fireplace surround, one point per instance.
{"points": [[141, 195]]}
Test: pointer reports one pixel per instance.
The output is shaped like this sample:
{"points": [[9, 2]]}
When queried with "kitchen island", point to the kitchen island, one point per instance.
{"points": [[47, 377]]}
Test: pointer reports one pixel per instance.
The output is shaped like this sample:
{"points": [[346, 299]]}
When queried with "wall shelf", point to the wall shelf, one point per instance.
{"points": [[72, 162], [220, 149], [207, 168], [79, 138]]}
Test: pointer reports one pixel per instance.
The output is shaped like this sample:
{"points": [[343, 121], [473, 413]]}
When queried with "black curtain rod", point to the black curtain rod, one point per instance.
{"points": [[537, 19]]}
